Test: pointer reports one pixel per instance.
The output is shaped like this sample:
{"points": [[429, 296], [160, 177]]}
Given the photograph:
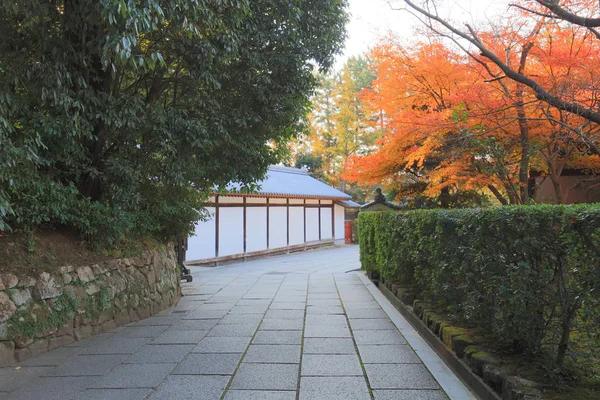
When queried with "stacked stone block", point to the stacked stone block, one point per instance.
{"points": [[40, 312]]}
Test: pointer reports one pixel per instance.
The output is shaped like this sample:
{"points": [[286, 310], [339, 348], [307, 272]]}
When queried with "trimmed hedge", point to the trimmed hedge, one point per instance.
{"points": [[524, 275]]}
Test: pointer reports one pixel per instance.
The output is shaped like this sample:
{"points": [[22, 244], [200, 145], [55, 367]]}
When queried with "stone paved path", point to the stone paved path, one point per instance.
{"points": [[303, 326]]}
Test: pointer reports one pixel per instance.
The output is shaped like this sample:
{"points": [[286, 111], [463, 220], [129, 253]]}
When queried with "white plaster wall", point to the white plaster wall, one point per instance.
{"points": [[312, 224], [231, 231], [231, 199], [277, 227], [256, 229], [202, 243], [296, 225], [296, 201], [256, 200], [277, 201], [326, 223], [339, 222]]}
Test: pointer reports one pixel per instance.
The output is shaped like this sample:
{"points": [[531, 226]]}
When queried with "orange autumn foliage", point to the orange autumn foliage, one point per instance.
{"points": [[452, 122]]}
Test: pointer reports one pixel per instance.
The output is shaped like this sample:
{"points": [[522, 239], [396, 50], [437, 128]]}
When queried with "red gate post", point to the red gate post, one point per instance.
{"points": [[348, 232]]}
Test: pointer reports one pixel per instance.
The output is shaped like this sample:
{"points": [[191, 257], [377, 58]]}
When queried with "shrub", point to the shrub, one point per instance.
{"points": [[527, 275]]}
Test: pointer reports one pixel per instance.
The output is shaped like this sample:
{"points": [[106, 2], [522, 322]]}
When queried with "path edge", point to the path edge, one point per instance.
{"points": [[449, 379]]}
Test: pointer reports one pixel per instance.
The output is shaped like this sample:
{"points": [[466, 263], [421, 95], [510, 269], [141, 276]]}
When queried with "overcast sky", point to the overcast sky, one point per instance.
{"points": [[371, 19]]}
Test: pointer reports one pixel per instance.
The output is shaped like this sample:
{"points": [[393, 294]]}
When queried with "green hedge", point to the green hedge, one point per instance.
{"points": [[526, 275]]}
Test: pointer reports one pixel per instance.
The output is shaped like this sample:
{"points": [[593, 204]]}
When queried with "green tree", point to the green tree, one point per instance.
{"points": [[339, 124], [116, 116]]}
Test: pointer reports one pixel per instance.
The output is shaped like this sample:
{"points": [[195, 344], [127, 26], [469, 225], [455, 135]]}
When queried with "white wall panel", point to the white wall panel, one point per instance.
{"points": [[202, 243], [296, 225], [312, 224], [339, 222], [256, 229], [277, 201], [231, 199], [296, 201], [231, 231], [256, 200], [277, 227], [326, 223]]}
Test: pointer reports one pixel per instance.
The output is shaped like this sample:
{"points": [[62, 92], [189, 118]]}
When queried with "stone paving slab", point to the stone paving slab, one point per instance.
{"points": [[134, 376], [113, 394], [260, 395], [160, 353], [282, 328], [278, 337], [222, 345], [400, 376], [208, 364], [179, 337], [329, 346], [141, 331], [266, 377], [331, 365], [87, 365], [409, 395], [326, 331], [281, 354], [334, 388], [388, 354], [190, 387], [194, 325], [11, 379], [379, 337], [115, 345], [55, 388], [281, 325], [372, 324], [52, 358]]}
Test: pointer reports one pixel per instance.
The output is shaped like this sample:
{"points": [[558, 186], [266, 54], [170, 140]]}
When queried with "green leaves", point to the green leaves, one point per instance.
{"points": [[518, 273], [117, 117]]}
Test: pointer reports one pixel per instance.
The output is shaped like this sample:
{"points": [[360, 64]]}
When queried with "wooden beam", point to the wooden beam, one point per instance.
{"points": [[245, 223], [267, 223], [319, 219], [304, 209], [333, 222], [217, 226], [288, 221], [224, 205]]}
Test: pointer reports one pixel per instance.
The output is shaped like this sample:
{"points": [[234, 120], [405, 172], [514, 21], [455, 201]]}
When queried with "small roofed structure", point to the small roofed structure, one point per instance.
{"points": [[291, 211], [380, 203]]}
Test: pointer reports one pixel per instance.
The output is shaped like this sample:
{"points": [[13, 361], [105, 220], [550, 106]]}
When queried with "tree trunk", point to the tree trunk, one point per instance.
{"points": [[524, 164], [498, 195], [445, 198], [523, 128], [569, 307], [555, 179], [563, 343], [343, 185]]}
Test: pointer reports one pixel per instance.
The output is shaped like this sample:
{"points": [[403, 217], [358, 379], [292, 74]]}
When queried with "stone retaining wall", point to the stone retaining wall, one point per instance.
{"points": [[40, 313]]}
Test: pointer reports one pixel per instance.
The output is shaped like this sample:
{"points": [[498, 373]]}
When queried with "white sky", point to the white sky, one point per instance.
{"points": [[372, 19]]}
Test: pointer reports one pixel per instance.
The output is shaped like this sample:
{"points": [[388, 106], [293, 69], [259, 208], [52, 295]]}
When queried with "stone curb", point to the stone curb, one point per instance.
{"points": [[474, 382], [483, 376]]}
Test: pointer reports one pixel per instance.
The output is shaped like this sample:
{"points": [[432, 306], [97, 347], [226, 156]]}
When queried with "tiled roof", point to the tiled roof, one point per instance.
{"points": [[348, 204], [294, 182]]}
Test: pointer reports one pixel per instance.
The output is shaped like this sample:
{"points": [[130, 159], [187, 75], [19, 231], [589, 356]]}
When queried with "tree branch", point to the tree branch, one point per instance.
{"points": [[568, 16], [540, 93]]}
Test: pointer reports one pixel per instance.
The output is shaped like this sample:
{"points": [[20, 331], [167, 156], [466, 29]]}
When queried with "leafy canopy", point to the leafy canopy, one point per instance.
{"points": [[118, 115]]}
